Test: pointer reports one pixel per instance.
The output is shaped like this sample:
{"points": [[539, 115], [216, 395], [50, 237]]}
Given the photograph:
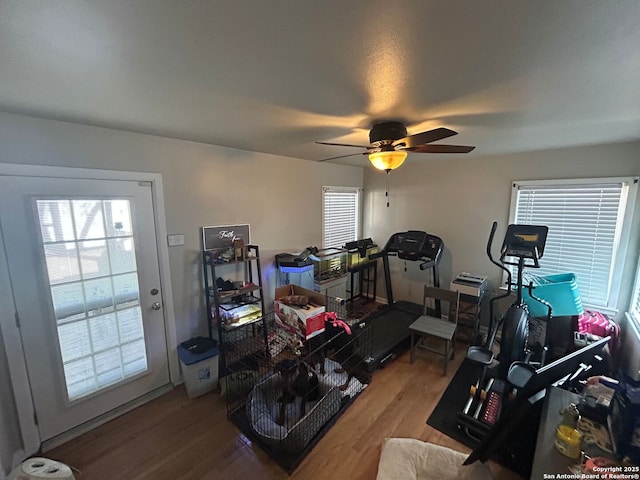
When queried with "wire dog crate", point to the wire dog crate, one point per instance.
{"points": [[285, 394]]}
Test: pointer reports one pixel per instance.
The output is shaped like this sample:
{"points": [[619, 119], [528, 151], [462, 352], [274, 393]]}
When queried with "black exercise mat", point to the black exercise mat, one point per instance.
{"points": [[444, 416]]}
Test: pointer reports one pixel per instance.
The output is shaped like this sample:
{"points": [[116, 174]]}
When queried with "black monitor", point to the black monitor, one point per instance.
{"points": [[510, 421], [524, 241]]}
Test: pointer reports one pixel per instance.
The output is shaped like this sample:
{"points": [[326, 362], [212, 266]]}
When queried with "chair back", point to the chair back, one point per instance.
{"points": [[439, 296]]}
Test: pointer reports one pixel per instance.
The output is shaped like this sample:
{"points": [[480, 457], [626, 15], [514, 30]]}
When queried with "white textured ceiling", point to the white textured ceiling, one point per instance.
{"points": [[275, 76]]}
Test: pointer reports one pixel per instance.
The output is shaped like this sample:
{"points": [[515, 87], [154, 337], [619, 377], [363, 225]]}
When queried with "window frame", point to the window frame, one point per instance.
{"points": [[358, 213], [623, 227], [633, 310]]}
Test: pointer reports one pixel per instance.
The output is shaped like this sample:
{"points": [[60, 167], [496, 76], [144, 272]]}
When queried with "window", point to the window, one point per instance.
{"points": [[91, 265], [340, 215], [588, 233]]}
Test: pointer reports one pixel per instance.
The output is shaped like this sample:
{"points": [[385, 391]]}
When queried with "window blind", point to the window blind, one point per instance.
{"points": [[340, 216], [634, 308], [585, 222]]}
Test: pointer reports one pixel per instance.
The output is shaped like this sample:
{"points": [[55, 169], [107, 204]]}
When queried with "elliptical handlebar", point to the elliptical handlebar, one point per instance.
{"points": [[531, 288], [496, 263], [493, 329], [494, 227]]}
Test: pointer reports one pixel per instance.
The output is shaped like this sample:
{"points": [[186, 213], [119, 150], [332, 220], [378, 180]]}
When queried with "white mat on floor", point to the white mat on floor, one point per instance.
{"points": [[409, 459]]}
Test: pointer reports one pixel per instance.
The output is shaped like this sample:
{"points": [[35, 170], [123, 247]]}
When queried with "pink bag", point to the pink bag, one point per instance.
{"points": [[598, 323]]}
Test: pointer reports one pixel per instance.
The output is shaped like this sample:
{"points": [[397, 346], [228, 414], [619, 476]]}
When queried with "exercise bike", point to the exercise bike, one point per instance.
{"points": [[525, 244]]}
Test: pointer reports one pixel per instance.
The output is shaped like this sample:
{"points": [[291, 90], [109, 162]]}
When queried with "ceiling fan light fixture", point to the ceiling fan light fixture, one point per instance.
{"points": [[387, 161]]}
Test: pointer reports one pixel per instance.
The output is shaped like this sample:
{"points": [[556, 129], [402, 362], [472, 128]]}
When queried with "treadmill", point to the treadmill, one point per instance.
{"points": [[390, 326]]}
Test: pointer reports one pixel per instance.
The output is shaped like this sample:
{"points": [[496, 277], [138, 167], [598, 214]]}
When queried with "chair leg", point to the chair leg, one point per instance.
{"points": [[453, 346], [446, 355], [412, 349]]}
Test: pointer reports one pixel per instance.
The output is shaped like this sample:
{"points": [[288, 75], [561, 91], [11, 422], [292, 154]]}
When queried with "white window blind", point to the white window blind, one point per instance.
{"points": [[340, 216], [634, 307], [585, 225]]}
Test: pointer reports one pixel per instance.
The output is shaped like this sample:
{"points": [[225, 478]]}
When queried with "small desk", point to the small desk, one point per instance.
{"points": [[546, 458]]}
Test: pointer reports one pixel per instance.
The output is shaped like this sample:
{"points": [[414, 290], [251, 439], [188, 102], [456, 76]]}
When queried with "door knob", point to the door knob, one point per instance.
{"points": [[156, 305]]}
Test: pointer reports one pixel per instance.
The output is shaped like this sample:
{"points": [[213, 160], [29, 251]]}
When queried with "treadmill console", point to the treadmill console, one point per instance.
{"points": [[415, 245]]}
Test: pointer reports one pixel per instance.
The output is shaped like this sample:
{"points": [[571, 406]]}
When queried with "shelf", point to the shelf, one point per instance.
{"points": [[228, 311], [230, 294], [228, 307], [215, 263], [241, 322]]}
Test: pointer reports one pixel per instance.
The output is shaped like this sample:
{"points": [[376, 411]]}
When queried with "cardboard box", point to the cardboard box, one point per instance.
{"points": [[306, 321]]}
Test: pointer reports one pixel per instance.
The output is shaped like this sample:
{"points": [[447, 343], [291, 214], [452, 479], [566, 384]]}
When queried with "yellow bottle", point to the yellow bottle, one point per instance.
{"points": [[568, 441]]}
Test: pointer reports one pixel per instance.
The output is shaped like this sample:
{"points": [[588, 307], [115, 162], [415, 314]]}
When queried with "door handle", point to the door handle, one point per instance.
{"points": [[156, 305]]}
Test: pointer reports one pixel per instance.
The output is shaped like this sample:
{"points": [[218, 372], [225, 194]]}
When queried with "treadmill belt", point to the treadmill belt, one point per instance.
{"points": [[391, 328]]}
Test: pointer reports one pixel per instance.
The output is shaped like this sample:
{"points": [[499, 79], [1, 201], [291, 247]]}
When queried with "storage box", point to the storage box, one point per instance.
{"points": [[305, 321], [329, 263], [199, 370], [560, 290]]}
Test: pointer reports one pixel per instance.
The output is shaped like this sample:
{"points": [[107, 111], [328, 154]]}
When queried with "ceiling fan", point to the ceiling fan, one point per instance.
{"points": [[390, 144]]}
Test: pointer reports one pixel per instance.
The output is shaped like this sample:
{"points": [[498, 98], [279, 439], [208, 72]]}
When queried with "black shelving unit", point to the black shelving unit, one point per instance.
{"points": [[229, 310]]}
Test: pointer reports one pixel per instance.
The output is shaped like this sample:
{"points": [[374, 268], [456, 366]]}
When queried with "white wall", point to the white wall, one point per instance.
{"points": [[279, 197], [458, 197]]}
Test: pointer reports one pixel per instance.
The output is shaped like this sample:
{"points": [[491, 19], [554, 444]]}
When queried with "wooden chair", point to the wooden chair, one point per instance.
{"points": [[431, 326]]}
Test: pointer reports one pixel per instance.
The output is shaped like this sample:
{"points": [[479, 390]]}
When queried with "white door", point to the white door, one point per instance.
{"points": [[84, 270]]}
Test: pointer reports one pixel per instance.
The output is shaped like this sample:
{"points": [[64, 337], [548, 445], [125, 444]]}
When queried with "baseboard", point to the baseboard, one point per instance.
{"points": [[382, 300]]}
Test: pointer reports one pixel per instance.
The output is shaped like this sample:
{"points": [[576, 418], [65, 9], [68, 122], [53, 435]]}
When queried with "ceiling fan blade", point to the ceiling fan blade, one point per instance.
{"points": [[440, 149], [343, 156], [425, 137], [343, 144]]}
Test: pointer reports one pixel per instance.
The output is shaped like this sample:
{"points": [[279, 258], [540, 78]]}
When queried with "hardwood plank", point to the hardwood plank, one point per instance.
{"points": [[175, 438]]}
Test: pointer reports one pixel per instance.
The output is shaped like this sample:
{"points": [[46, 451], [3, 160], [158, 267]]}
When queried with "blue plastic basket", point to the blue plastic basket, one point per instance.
{"points": [[560, 290]]}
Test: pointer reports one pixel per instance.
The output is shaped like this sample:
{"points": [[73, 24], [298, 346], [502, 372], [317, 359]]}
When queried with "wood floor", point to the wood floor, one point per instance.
{"points": [[175, 438]]}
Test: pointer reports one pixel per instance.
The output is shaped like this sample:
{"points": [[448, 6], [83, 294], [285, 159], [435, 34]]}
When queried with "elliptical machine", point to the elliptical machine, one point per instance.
{"points": [[525, 244]]}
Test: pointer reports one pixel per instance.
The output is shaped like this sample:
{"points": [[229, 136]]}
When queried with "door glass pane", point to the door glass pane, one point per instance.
{"points": [[118, 214], [94, 258], [104, 332], [62, 262], [121, 255], [89, 251], [88, 218], [52, 226]]}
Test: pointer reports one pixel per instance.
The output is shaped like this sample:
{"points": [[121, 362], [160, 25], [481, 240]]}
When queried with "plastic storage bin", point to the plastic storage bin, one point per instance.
{"points": [[560, 290], [199, 370]]}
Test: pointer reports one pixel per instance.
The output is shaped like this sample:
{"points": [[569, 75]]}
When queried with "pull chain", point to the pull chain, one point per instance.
{"points": [[386, 193]]}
